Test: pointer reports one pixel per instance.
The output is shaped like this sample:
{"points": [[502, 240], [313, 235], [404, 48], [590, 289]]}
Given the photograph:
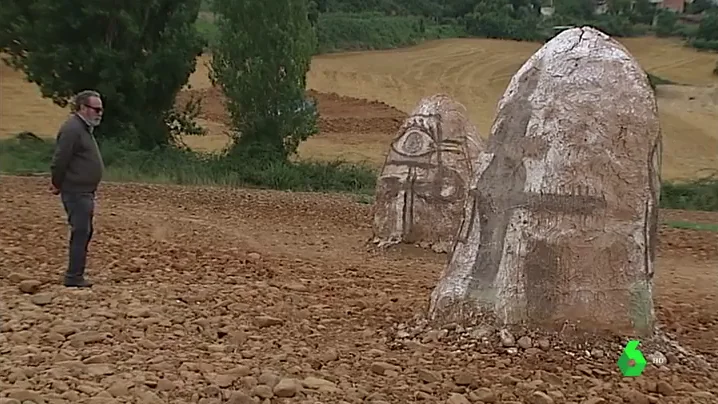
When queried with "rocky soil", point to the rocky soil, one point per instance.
{"points": [[230, 296]]}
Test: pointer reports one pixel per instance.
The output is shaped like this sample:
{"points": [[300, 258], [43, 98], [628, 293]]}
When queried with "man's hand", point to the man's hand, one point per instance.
{"points": [[54, 190]]}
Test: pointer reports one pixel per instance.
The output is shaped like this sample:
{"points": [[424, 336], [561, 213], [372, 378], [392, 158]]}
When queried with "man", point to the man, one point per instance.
{"points": [[77, 169]]}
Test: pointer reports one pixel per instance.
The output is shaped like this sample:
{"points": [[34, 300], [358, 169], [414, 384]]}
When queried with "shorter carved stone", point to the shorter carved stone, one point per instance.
{"points": [[422, 187]]}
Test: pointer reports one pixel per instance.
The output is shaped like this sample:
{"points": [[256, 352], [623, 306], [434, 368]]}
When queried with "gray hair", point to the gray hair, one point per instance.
{"points": [[82, 97]]}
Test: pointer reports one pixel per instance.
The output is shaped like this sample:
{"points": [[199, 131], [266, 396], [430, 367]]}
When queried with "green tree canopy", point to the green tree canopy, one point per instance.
{"points": [[137, 53], [260, 60]]}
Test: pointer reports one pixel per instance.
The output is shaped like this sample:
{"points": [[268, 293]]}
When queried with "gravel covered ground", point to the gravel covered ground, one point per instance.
{"points": [[207, 295]]}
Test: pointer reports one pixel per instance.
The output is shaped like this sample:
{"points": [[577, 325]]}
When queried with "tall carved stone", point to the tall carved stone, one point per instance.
{"points": [[560, 225], [422, 187]]}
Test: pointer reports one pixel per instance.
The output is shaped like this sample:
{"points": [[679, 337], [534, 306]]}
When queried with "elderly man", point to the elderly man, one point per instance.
{"points": [[77, 168]]}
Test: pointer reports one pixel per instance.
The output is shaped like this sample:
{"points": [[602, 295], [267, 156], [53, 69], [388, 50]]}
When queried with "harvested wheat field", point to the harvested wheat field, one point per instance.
{"points": [[211, 295], [474, 71], [205, 295]]}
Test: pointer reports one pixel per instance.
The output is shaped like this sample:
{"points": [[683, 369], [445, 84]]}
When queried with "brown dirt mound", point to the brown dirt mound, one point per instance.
{"points": [[338, 114]]}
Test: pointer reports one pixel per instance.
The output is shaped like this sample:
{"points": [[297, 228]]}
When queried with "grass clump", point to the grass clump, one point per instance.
{"points": [[27, 154], [700, 194], [692, 226], [172, 165]]}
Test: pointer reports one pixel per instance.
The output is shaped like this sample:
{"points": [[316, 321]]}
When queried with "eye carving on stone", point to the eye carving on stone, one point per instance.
{"points": [[414, 143], [417, 140]]}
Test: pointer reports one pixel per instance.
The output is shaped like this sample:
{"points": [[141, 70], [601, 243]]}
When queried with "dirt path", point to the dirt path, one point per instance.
{"points": [[190, 281]]}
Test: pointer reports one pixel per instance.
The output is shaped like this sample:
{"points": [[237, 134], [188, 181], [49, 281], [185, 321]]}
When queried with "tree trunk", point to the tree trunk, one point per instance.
{"points": [[560, 226], [424, 182]]}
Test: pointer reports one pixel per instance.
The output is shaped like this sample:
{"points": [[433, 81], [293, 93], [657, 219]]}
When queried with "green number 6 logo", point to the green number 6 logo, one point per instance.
{"points": [[631, 362]]}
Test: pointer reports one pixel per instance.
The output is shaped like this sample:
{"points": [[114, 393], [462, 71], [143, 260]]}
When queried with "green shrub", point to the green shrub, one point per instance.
{"points": [[704, 44], [666, 23], [701, 194], [355, 31], [655, 80], [180, 166]]}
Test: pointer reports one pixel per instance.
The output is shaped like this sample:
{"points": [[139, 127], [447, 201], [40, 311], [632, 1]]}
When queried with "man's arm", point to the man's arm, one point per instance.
{"points": [[64, 147]]}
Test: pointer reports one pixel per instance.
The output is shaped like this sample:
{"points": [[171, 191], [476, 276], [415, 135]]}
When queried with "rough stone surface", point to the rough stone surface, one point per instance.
{"points": [[561, 221], [423, 184]]}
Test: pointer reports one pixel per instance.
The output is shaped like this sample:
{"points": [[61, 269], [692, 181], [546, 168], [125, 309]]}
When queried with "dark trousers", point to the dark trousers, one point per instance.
{"points": [[80, 208]]}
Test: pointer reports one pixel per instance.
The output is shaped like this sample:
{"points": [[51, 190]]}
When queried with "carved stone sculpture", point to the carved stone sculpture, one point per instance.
{"points": [[421, 189], [561, 222]]}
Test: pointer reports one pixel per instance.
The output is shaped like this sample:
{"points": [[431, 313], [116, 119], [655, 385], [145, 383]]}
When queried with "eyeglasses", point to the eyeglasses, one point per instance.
{"points": [[96, 109]]}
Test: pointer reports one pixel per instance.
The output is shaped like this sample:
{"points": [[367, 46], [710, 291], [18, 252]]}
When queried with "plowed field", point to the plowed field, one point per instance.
{"points": [[202, 293]]}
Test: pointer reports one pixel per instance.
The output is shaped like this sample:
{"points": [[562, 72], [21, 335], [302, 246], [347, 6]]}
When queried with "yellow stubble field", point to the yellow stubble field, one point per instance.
{"points": [[474, 71]]}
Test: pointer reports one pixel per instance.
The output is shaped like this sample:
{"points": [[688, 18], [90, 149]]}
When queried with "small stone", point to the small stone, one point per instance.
{"points": [[551, 378], [223, 381], [544, 344], [481, 332], [329, 355], [268, 321], [483, 394], [539, 397], [268, 378], [594, 400], [263, 391], [507, 339], [317, 383], [664, 388], [254, 257], [165, 385], [99, 369], [382, 368], [428, 376], [457, 398], [120, 388], [463, 379], [25, 395], [597, 353], [29, 286], [420, 395], [241, 371], [286, 388], [42, 299], [16, 277], [525, 342], [249, 382], [635, 397], [238, 397]]}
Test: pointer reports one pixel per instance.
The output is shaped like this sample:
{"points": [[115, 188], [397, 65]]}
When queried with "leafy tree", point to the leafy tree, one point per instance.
{"points": [[583, 9], [137, 53], [643, 12], [260, 60], [708, 28], [666, 22], [699, 6], [509, 19]]}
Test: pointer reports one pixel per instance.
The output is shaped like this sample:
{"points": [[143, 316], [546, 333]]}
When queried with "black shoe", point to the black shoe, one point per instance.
{"points": [[82, 283]]}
